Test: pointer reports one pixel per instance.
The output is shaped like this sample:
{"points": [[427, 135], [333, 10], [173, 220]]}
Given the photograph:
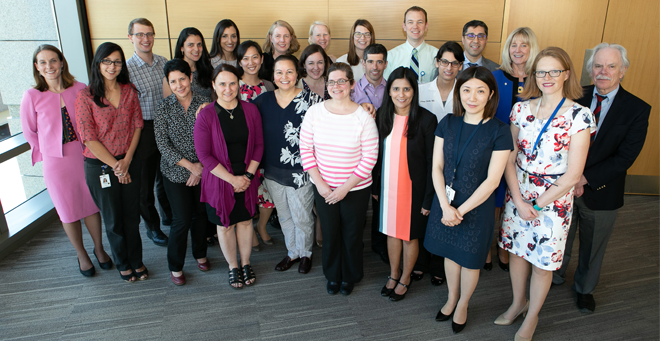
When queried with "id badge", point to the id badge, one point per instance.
{"points": [[450, 193], [105, 180]]}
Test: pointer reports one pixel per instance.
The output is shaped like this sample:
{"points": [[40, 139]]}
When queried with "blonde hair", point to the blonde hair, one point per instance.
{"points": [[527, 36], [293, 47], [311, 30], [571, 90]]}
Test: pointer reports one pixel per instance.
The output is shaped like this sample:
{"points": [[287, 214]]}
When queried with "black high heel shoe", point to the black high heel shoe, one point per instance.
{"points": [[386, 292], [442, 317], [504, 266], [105, 266], [416, 277], [488, 266], [87, 273], [396, 297], [457, 328], [437, 281]]}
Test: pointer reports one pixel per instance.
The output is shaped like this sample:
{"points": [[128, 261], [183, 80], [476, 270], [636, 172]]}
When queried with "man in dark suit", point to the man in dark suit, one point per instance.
{"points": [[622, 120], [475, 38]]}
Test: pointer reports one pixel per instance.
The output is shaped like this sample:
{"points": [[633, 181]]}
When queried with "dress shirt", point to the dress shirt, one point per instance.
{"points": [[365, 92], [400, 56], [467, 62], [174, 136], [148, 80], [604, 105], [485, 62], [430, 99], [358, 70]]}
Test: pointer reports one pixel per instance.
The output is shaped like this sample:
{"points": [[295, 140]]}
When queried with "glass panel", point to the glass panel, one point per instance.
{"points": [[19, 180]]}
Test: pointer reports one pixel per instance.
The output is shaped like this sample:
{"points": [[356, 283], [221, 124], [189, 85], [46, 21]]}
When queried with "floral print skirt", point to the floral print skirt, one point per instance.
{"points": [[263, 198]]}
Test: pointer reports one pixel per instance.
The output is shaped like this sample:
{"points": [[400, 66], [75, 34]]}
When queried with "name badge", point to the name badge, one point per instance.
{"points": [[105, 180], [450, 193]]}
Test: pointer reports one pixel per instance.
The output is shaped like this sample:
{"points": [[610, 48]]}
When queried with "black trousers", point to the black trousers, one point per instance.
{"points": [[343, 228], [150, 175], [119, 205], [378, 239], [428, 262], [188, 213]]}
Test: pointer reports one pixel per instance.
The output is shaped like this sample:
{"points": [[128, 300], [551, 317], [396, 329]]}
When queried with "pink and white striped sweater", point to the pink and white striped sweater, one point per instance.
{"points": [[339, 145]]}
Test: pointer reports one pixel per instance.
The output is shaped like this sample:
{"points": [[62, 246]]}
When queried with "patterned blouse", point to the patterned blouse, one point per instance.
{"points": [[250, 92], [174, 135], [281, 160], [113, 127], [326, 95]]}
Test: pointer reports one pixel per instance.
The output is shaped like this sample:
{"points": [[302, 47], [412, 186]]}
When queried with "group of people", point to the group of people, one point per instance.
{"points": [[449, 147]]}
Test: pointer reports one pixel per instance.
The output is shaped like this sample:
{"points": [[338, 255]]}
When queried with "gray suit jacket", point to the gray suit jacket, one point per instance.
{"points": [[490, 65]]}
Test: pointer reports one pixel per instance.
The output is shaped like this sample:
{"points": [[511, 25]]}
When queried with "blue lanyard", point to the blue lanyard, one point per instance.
{"points": [[547, 124], [458, 155], [365, 92]]}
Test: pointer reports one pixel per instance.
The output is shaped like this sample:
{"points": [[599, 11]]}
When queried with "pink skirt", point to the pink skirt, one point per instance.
{"points": [[65, 181]]}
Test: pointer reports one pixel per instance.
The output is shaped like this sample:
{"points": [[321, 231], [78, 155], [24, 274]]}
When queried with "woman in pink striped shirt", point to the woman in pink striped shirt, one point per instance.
{"points": [[339, 148]]}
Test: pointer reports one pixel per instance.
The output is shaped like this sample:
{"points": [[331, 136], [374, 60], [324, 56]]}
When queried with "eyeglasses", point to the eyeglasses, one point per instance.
{"points": [[360, 35], [553, 73], [340, 81], [142, 35], [453, 64], [471, 36], [110, 62]]}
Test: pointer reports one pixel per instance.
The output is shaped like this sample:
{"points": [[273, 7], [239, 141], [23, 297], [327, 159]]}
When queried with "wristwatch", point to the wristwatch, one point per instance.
{"points": [[536, 207], [249, 175]]}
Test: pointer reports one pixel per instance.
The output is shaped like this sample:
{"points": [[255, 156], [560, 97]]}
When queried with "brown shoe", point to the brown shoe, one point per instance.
{"points": [[206, 266], [286, 263], [305, 265], [178, 280]]}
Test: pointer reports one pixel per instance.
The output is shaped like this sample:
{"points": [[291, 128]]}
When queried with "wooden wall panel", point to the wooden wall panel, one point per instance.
{"points": [[110, 19], [636, 28], [161, 47], [572, 25]]}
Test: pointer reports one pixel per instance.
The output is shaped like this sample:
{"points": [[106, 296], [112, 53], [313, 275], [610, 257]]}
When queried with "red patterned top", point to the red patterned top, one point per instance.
{"points": [[113, 127]]}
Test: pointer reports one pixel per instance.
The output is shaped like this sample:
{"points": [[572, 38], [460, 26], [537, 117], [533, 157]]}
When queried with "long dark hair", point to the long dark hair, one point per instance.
{"points": [[203, 65], [385, 115], [241, 50], [96, 79], [484, 75], [310, 50], [216, 48]]}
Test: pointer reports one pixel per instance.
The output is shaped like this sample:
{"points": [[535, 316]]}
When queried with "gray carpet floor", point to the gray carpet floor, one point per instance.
{"points": [[44, 297]]}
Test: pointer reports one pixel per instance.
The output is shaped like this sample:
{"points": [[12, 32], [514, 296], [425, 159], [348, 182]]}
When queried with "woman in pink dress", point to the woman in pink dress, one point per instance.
{"points": [[49, 126]]}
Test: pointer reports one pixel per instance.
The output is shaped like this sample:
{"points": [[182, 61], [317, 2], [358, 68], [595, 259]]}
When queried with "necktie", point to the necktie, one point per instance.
{"points": [[414, 63], [599, 100], [472, 64]]}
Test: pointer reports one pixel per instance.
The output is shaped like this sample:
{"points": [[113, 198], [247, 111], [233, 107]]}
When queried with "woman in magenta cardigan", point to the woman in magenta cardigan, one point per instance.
{"points": [[229, 143], [49, 125]]}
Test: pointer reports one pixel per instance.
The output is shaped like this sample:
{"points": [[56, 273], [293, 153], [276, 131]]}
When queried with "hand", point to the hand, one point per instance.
{"points": [[197, 169], [451, 216], [240, 183], [425, 212], [323, 189], [579, 190], [121, 166], [336, 196], [375, 197], [370, 109], [193, 180], [526, 211], [583, 181], [124, 179], [200, 108]]}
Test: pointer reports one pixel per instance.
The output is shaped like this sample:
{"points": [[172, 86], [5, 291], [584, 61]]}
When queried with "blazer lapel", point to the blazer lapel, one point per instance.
{"points": [[616, 109]]}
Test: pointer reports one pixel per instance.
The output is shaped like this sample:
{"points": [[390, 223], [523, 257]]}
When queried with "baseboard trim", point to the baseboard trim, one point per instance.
{"points": [[642, 184]]}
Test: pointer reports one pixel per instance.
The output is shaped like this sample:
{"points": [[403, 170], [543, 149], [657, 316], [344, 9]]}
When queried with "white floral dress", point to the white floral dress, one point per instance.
{"points": [[542, 240]]}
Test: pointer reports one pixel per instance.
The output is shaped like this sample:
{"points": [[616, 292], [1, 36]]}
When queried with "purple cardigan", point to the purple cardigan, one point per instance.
{"points": [[211, 149]]}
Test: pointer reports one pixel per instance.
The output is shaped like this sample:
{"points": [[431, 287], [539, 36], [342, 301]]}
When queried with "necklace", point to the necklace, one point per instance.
{"points": [[231, 112]]}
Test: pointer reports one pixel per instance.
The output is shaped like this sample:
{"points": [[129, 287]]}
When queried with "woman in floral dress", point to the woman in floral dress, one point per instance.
{"points": [[552, 140]]}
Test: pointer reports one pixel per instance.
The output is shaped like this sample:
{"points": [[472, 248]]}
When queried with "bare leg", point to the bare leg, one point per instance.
{"points": [[244, 233], [410, 252], [453, 278], [538, 290], [469, 280], [74, 232], [394, 247], [93, 223], [264, 215], [519, 271], [227, 239]]}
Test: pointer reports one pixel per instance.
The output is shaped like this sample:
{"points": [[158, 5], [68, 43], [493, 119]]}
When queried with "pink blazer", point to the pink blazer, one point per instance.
{"points": [[41, 118]]}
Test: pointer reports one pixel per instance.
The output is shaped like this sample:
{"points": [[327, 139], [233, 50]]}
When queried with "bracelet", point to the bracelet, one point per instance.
{"points": [[536, 207], [249, 175]]}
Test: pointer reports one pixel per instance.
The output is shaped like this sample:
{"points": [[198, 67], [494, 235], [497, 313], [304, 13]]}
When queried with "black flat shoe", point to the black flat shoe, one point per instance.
{"points": [[442, 317], [87, 273], [105, 266], [346, 288], [396, 297], [386, 292], [504, 266], [416, 277], [456, 328], [488, 266], [437, 281], [333, 288]]}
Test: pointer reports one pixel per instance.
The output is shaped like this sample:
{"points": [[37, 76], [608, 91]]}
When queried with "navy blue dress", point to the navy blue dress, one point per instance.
{"points": [[468, 243]]}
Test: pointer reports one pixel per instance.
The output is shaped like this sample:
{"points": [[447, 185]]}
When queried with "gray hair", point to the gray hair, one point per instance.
{"points": [[601, 46], [311, 30]]}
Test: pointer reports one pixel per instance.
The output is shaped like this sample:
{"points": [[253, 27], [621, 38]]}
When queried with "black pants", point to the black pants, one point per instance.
{"points": [[378, 239], [150, 175], [428, 262], [187, 214], [343, 228], [119, 205]]}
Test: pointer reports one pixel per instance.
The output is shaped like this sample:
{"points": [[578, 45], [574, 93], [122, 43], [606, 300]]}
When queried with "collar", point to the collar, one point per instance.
{"points": [[364, 82], [410, 47], [610, 95], [434, 86], [479, 62], [140, 62]]}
